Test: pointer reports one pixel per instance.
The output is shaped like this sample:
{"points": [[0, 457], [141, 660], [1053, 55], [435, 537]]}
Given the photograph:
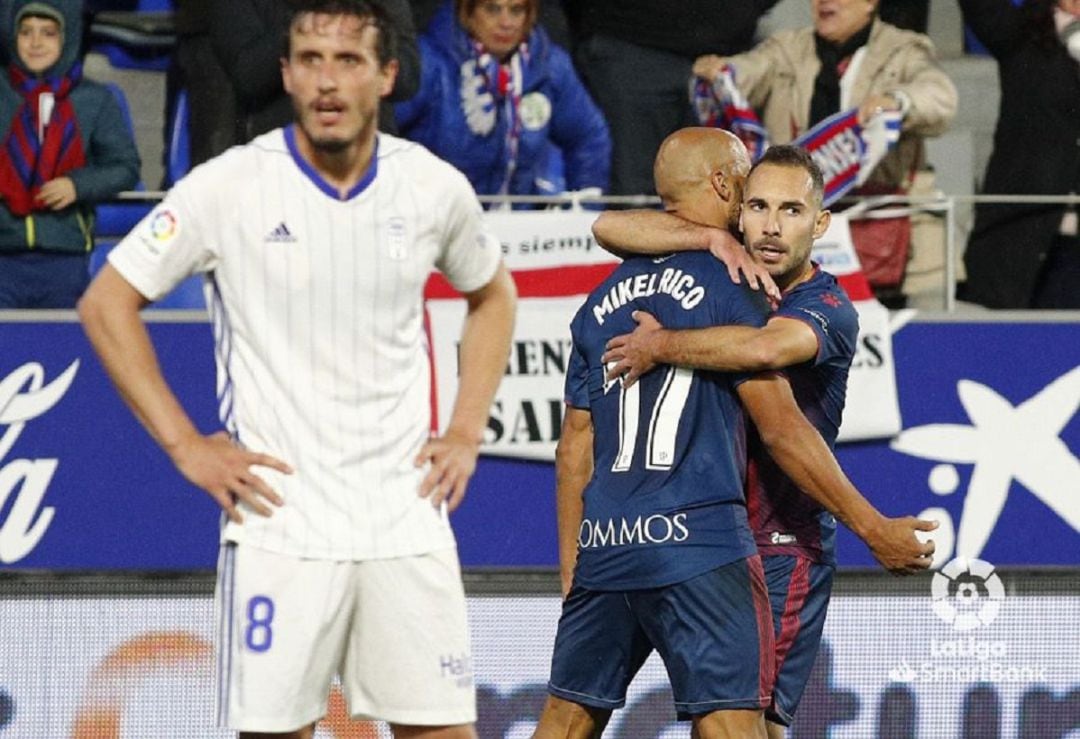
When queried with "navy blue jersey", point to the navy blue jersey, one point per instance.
{"points": [[665, 502], [784, 519]]}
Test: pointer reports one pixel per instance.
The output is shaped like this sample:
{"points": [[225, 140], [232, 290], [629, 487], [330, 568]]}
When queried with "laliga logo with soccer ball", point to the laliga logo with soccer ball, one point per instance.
{"points": [[967, 593]]}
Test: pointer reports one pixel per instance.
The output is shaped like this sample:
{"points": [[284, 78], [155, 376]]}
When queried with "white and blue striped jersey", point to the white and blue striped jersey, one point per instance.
{"points": [[317, 309]]}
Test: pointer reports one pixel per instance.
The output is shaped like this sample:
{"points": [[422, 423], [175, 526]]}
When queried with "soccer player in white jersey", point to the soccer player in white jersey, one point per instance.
{"points": [[316, 241]]}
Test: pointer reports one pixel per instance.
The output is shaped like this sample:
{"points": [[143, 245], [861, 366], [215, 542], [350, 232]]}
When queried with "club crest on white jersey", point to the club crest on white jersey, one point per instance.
{"points": [[396, 238]]}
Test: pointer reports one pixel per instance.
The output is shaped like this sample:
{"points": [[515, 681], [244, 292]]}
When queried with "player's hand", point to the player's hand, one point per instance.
{"points": [[452, 460], [709, 66], [738, 261], [57, 194], [632, 355], [895, 545], [223, 470]]}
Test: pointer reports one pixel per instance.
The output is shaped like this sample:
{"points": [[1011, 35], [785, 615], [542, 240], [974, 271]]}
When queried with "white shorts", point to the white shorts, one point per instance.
{"points": [[394, 630]]}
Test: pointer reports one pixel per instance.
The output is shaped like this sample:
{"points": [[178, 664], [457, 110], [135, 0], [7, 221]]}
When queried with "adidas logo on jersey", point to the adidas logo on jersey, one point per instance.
{"points": [[280, 235]]}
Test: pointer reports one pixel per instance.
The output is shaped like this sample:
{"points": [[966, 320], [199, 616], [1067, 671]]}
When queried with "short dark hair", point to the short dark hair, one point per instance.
{"points": [[386, 42], [789, 155]]}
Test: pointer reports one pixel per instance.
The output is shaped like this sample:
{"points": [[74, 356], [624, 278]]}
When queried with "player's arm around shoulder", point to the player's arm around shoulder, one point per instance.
{"points": [[573, 470], [647, 231], [644, 231], [782, 342], [485, 345]]}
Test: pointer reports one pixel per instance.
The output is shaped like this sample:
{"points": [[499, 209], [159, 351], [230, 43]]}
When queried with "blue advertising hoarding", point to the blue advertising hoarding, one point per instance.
{"points": [[990, 447], [82, 485], [990, 440]]}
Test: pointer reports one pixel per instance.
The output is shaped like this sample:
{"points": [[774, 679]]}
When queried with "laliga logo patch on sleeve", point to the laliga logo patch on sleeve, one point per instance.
{"points": [[159, 229]]}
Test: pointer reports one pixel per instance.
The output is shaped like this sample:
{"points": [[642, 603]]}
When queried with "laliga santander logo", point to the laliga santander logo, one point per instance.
{"points": [[967, 593], [164, 225], [23, 397]]}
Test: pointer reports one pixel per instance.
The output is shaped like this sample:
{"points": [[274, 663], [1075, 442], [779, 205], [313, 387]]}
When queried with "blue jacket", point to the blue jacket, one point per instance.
{"points": [[112, 161], [555, 109]]}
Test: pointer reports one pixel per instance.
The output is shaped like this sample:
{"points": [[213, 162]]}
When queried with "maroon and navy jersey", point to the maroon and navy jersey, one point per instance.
{"points": [[666, 501], [784, 519]]}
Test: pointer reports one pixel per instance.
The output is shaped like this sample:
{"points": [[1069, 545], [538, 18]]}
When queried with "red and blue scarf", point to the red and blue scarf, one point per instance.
{"points": [[37, 151], [728, 108], [501, 84], [846, 151]]}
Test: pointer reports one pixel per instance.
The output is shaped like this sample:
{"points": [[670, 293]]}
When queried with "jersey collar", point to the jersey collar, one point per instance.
{"points": [[313, 175]]}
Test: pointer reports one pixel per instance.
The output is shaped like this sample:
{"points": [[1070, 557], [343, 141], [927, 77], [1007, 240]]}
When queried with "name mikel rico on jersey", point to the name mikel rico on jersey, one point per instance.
{"points": [[674, 282]]}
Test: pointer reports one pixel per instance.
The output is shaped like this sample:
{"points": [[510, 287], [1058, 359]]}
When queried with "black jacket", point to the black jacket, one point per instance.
{"points": [[688, 28], [1036, 151]]}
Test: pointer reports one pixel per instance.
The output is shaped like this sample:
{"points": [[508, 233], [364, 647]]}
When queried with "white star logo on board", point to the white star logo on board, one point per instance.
{"points": [[1004, 443]]}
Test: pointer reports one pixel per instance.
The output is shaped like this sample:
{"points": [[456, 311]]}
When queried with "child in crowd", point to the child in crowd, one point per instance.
{"points": [[66, 146]]}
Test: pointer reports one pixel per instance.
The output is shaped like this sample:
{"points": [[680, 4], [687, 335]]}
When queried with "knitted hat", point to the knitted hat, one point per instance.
{"points": [[42, 10]]}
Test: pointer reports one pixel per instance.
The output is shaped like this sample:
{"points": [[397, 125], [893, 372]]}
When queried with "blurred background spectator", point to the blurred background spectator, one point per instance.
{"points": [[848, 59], [635, 58], [497, 96], [196, 69], [1021, 256], [248, 36], [913, 15], [961, 154], [550, 14], [66, 146]]}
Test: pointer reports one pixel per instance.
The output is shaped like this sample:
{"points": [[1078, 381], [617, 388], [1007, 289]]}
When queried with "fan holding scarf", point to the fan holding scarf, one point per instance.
{"points": [[496, 95], [850, 59], [66, 146]]}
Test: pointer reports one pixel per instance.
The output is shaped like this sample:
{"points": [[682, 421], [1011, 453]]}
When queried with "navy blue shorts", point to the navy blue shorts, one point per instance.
{"points": [[799, 592], [714, 633]]}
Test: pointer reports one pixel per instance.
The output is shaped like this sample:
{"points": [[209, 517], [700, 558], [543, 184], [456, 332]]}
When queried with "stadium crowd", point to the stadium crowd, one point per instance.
{"points": [[529, 97]]}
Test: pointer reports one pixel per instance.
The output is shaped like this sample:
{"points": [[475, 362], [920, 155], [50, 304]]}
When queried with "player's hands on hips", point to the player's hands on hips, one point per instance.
{"points": [[895, 545], [630, 356], [452, 461], [738, 261], [223, 470]]}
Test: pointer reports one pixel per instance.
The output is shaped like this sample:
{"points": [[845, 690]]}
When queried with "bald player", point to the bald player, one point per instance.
{"points": [[812, 334], [656, 550]]}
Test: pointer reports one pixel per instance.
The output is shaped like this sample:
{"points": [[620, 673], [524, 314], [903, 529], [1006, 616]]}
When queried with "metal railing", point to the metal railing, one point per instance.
{"points": [[868, 207]]}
